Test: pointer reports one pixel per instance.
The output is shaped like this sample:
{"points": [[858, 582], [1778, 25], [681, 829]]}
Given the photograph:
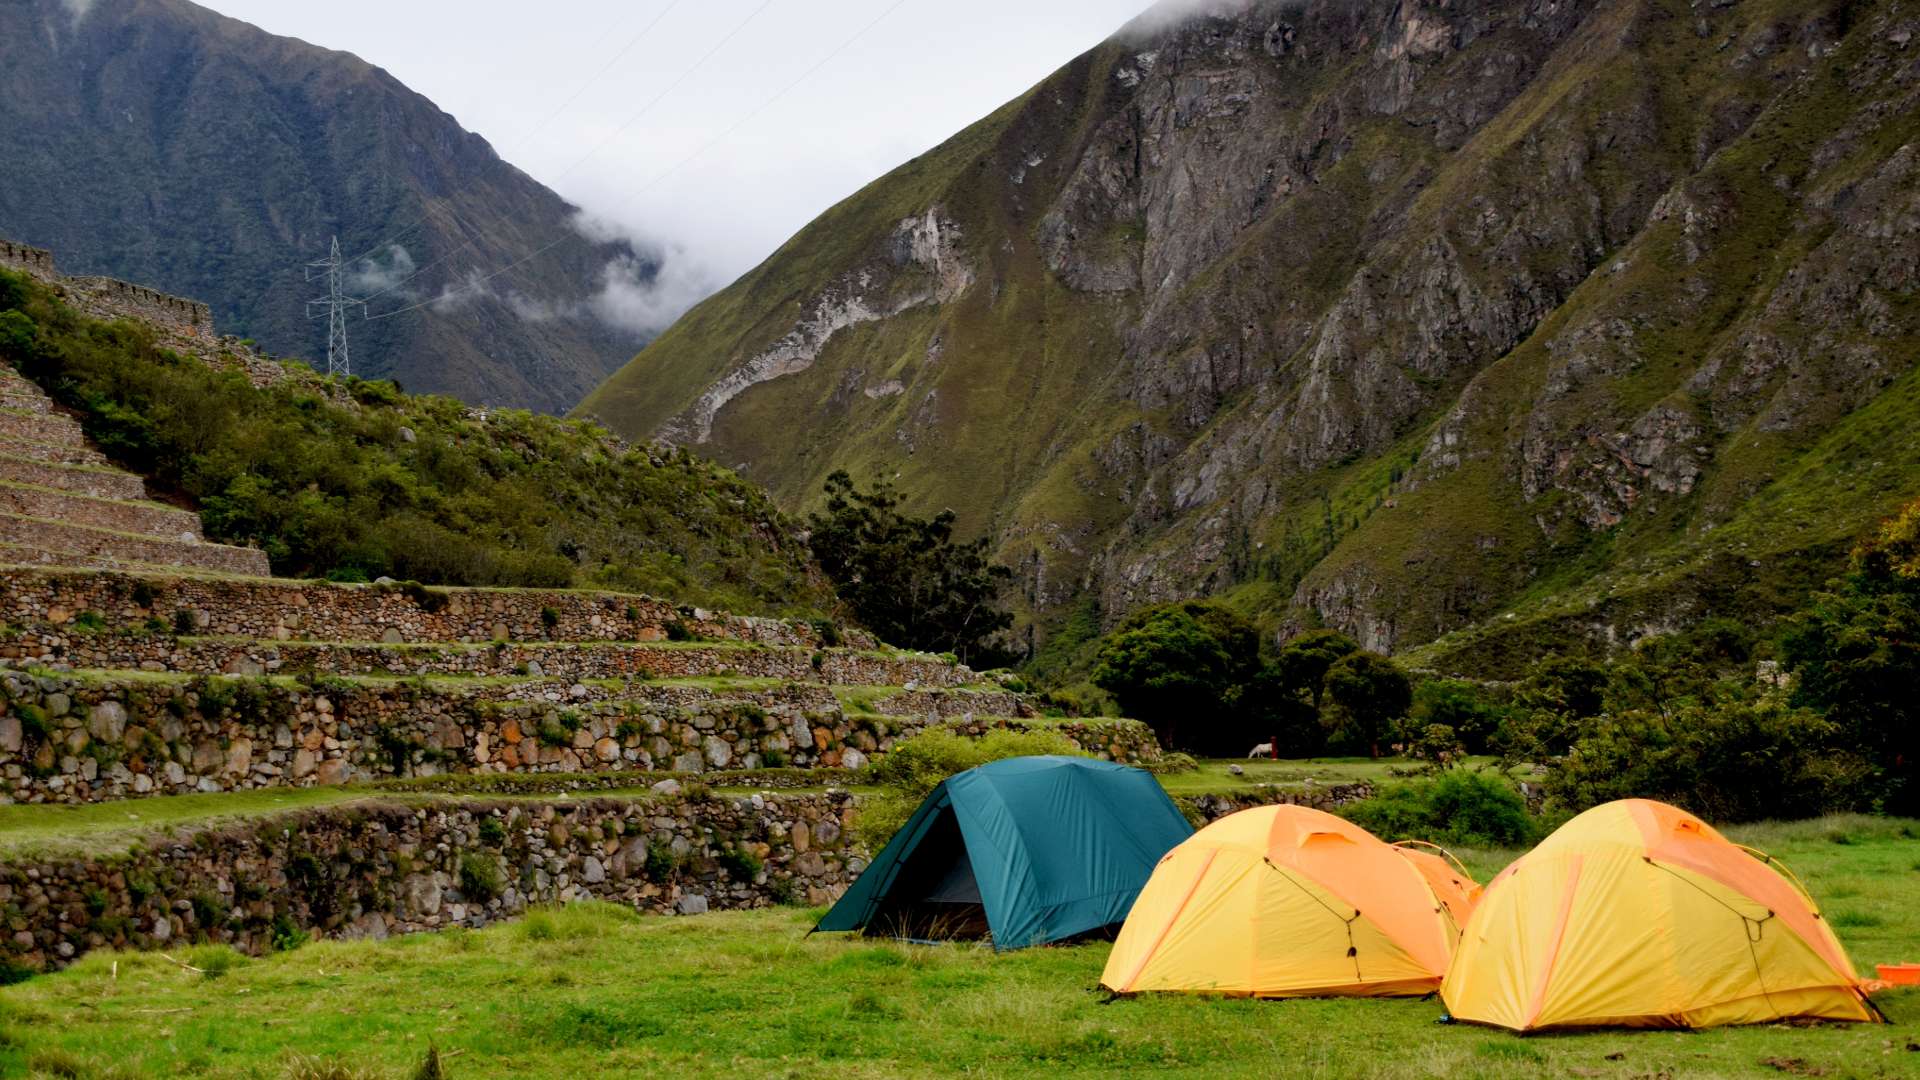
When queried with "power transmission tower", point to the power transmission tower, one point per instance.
{"points": [[334, 307]]}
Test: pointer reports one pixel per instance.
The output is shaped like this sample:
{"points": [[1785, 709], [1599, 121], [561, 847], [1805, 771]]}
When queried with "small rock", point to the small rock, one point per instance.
{"points": [[667, 787], [1235, 770], [407, 435], [852, 759], [691, 904], [592, 872]]}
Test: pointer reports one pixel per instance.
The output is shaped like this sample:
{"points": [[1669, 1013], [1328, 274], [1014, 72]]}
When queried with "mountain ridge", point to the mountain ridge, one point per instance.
{"points": [[1403, 320], [158, 141]]}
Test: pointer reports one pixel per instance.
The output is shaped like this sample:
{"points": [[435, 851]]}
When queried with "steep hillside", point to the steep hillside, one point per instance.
{"points": [[158, 142], [346, 479], [1476, 326]]}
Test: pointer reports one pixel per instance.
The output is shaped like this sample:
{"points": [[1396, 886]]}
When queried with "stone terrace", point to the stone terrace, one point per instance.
{"points": [[61, 503]]}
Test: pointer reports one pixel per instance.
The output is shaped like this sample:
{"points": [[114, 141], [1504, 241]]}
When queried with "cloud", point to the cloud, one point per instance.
{"points": [[370, 276], [1167, 13], [645, 291]]}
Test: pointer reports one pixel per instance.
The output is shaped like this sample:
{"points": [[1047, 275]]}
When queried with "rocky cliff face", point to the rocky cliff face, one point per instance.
{"points": [[155, 141], [1470, 321]]}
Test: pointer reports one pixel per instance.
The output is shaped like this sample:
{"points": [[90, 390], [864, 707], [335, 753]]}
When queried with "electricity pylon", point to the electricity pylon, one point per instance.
{"points": [[334, 307]]}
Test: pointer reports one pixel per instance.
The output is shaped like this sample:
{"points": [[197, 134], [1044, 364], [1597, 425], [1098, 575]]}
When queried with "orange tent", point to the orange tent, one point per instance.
{"points": [[1285, 901], [1639, 914]]}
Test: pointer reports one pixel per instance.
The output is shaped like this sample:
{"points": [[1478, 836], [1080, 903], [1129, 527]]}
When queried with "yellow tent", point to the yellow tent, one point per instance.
{"points": [[1284, 901], [1639, 914]]}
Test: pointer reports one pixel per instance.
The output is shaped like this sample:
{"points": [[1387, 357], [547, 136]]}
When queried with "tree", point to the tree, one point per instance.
{"points": [[1304, 661], [907, 579], [1366, 693], [1461, 707], [1166, 665], [1855, 653], [1278, 711]]}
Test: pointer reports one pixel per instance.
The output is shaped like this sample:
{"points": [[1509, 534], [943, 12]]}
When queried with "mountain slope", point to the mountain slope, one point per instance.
{"points": [[159, 142], [1476, 326]]}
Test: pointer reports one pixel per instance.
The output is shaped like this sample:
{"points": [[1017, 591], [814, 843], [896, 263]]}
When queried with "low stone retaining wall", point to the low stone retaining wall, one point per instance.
{"points": [[99, 513], [370, 870], [283, 610], [83, 542], [1201, 809], [99, 483], [68, 739], [159, 652]]}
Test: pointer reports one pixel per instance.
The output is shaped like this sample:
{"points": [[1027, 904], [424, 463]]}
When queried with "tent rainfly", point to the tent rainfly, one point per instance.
{"points": [[1288, 901], [1638, 914], [1029, 849]]}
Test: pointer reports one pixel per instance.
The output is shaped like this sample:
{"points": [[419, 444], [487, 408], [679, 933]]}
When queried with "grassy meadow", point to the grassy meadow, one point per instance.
{"points": [[596, 990]]}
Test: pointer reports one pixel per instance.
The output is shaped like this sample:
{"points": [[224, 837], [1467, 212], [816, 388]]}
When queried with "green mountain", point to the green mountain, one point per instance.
{"points": [[158, 142], [1471, 328]]}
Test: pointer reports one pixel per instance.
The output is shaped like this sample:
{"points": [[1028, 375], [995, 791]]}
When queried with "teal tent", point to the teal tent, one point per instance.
{"points": [[1032, 849]]}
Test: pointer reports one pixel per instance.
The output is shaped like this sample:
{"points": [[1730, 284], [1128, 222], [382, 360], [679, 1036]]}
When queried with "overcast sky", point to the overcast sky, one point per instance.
{"points": [[502, 67]]}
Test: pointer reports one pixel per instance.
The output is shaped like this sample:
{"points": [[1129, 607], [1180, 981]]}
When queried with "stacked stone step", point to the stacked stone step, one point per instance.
{"points": [[63, 504]]}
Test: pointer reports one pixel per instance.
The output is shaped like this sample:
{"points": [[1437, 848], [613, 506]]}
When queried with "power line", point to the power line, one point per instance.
{"points": [[675, 167], [516, 143], [335, 305], [662, 95], [608, 66]]}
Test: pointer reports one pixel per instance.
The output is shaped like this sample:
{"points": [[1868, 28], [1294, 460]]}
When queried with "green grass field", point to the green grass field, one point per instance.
{"points": [[597, 991]]}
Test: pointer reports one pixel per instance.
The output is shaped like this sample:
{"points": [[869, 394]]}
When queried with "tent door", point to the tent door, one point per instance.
{"points": [[935, 895]]}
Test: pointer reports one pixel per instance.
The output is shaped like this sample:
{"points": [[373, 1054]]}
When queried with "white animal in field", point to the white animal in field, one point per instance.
{"points": [[1265, 749]]}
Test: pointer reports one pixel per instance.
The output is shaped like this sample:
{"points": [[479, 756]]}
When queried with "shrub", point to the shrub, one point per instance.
{"points": [[678, 631], [184, 623], [491, 832], [429, 600], [285, 935], [915, 766], [1736, 757], [549, 618], [89, 622], [480, 878], [142, 595], [741, 864], [828, 631], [214, 961], [661, 863], [1468, 808]]}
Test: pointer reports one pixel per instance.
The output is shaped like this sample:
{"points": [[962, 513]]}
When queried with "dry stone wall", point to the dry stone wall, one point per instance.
{"points": [[110, 298], [285, 610], [160, 652], [368, 871], [74, 739]]}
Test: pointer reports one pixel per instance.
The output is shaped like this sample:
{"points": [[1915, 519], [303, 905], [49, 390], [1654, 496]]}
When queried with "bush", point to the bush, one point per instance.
{"points": [[480, 878], [491, 832], [917, 765], [1739, 757], [1462, 807]]}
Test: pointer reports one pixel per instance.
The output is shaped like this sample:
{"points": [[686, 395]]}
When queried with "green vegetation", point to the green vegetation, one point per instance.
{"points": [[906, 578], [1195, 673], [748, 993], [353, 480], [915, 766]]}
